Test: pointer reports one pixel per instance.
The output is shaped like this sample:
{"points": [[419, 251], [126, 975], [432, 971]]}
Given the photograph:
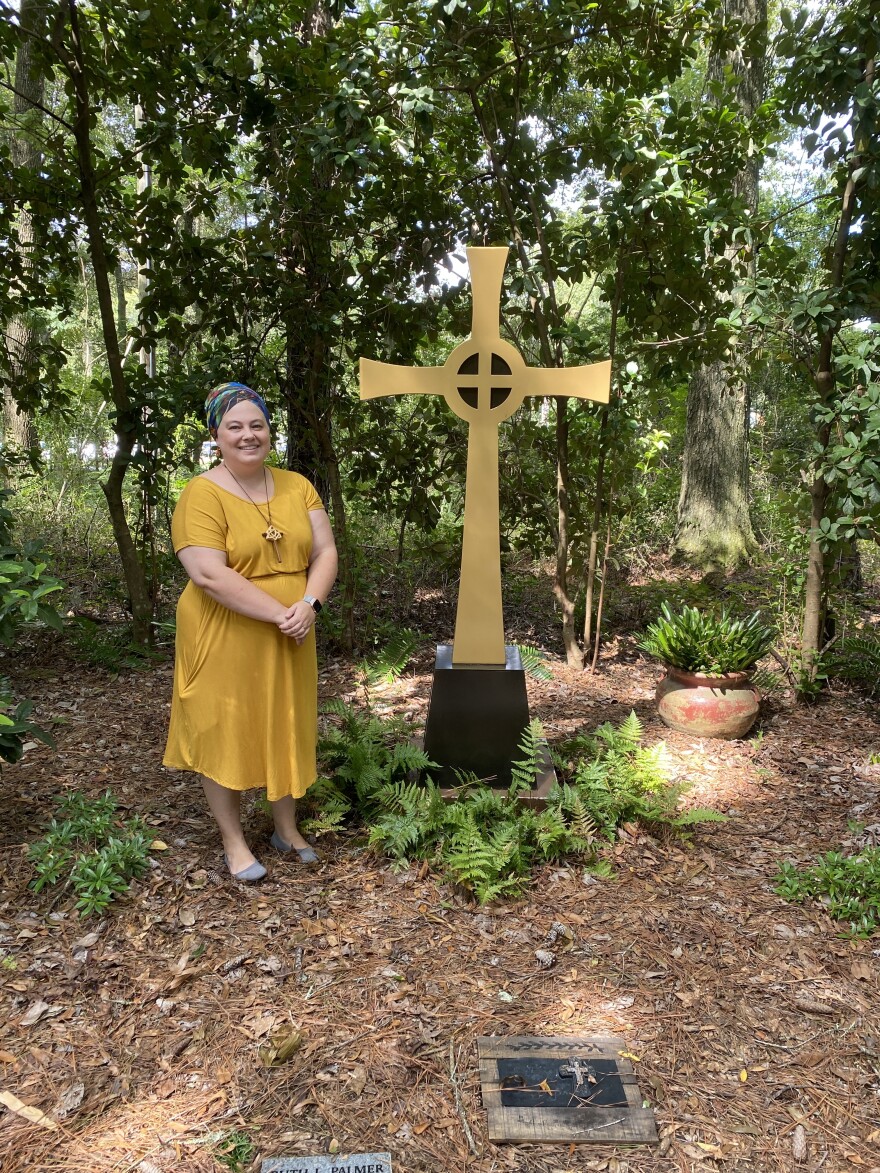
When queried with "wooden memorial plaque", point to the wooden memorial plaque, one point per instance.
{"points": [[581, 1091]]}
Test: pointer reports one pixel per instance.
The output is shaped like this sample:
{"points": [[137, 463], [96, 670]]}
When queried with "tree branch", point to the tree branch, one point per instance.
{"points": [[36, 105]]}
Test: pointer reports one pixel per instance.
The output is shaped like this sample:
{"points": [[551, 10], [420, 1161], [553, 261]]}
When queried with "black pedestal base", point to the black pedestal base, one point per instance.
{"points": [[476, 720]]}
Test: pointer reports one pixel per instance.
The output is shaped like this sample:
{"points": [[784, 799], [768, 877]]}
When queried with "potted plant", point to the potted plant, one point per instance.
{"points": [[709, 659]]}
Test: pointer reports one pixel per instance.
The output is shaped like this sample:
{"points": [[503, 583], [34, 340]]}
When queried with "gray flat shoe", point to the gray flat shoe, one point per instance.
{"points": [[306, 854], [252, 874]]}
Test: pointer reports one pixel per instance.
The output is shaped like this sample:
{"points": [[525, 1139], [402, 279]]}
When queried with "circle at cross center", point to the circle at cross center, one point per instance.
{"points": [[484, 385]]}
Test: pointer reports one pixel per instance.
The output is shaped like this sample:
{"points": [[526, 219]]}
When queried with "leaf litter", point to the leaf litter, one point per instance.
{"points": [[338, 1006]]}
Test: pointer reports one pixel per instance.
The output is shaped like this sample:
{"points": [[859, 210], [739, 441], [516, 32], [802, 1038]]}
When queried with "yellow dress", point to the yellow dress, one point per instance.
{"points": [[245, 707]]}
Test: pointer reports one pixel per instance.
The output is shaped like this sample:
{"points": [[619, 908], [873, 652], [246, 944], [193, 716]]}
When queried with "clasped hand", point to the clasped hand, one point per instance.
{"points": [[297, 620]]}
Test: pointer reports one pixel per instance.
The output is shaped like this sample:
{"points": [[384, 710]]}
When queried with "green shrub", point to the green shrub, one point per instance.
{"points": [[486, 841], [107, 645], [857, 659], [91, 849], [15, 726], [386, 663], [700, 641], [848, 887], [24, 588]]}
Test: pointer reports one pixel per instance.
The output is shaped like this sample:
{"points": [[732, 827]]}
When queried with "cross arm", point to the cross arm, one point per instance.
{"points": [[592, 382], [380, 379]]}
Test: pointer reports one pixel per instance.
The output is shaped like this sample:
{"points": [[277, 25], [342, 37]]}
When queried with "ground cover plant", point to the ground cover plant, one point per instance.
{"points": [[486, 841], [846, 886], [90, 850], [857, 658]]}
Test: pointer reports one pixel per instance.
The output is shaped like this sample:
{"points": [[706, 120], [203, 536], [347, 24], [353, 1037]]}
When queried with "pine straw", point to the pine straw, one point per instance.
{"points": [[748, 1015]]}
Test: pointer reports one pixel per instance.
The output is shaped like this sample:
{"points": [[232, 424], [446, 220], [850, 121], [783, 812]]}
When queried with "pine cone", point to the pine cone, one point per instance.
{"points": [[799, 1144]]}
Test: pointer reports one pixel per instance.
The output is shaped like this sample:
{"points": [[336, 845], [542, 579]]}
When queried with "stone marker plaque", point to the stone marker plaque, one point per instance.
{"points": [[330, 1163]]}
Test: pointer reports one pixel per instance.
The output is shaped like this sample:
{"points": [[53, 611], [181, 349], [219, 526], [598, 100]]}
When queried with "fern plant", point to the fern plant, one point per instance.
{"points": [[534, 662], [618, 780], [486, 841], [386, 664], [360, 755], [857, 659], [531, 750]]}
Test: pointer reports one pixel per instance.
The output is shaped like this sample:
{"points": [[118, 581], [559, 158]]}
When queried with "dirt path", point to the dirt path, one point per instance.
{"points": [[749, 1016]]}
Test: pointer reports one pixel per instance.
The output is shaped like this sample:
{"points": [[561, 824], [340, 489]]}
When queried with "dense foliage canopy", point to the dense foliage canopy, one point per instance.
{"points": [[267, 192]]}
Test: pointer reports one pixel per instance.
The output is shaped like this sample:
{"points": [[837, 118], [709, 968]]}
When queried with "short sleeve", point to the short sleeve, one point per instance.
{"points": [[310, 496], [199, 519]]}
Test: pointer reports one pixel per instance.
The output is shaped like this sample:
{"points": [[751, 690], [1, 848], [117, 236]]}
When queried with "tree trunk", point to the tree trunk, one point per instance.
{"points": [[21, 332], [573, 655], [18, 425], [593, 556], [321, 420], [816, 585], [126, 433], [714, 530], [601, 506], [343, 540]]}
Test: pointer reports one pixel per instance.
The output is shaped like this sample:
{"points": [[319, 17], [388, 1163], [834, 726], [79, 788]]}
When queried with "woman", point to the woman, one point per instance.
{"points": [[258, 549]]}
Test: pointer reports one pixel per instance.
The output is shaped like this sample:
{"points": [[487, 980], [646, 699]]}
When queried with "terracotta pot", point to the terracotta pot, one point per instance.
{"points": [[707, 706]]}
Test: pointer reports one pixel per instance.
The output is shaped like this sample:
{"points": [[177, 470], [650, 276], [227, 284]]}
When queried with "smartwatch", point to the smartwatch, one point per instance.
{"points": [[314, 603]]}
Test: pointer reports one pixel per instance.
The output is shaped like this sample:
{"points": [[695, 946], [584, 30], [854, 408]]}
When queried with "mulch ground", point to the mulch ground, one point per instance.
{"points": [[147, 1037]]}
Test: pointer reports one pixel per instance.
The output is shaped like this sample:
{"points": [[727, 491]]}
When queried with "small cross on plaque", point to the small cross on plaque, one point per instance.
{"points": [[582, 1074]]}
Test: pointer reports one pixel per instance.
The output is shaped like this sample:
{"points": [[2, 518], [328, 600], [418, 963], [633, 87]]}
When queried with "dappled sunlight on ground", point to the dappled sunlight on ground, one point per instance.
{"points": [[745, 1015]]}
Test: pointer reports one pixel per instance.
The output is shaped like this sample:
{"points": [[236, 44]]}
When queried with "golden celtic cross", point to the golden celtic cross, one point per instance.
{"points": [[484, 380]]}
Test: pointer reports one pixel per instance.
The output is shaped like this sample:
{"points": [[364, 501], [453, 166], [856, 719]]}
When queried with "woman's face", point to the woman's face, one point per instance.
{"points": [[243, 436]]}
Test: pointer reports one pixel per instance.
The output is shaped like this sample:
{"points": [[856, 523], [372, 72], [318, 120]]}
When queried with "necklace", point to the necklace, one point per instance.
{"points": [[272, 533]]}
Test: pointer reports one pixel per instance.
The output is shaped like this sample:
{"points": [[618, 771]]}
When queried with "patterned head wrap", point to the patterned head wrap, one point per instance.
{"points": [[226, 395]]}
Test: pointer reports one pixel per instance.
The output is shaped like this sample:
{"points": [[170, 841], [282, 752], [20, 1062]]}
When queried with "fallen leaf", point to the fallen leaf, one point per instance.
{"points": [[743, 1075], [14, 1104], [158, 845], [85, 942], [71, 1099], [7, 1057], [282, 1048], [692, 1151], [713, 1150], [186, 916], [36, 1012], [545, 1087], [358, 1079]]}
